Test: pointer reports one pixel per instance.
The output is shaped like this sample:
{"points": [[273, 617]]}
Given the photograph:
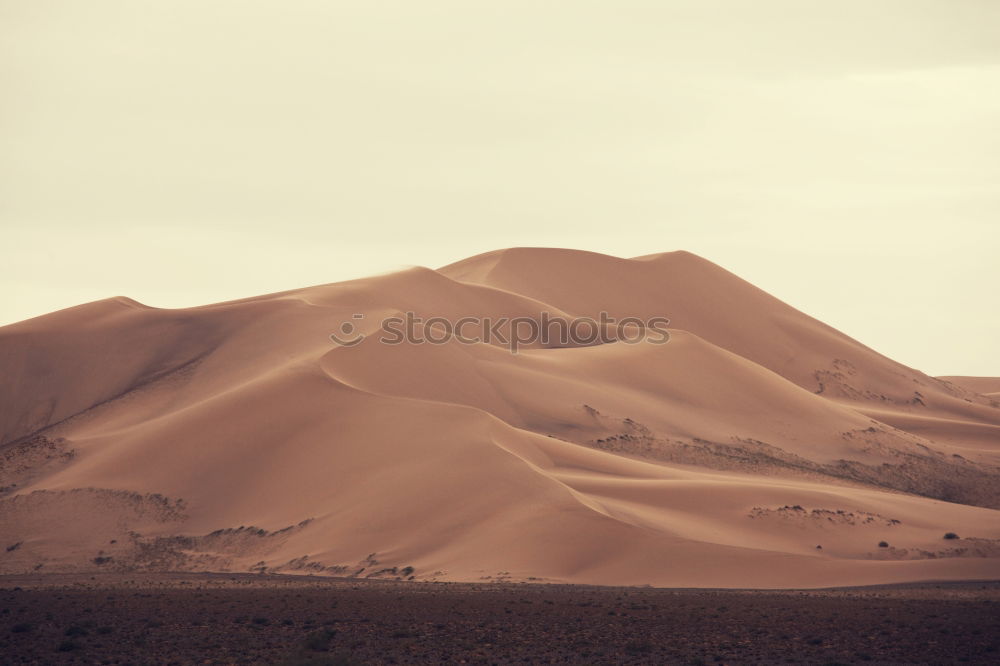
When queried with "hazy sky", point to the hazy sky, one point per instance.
{"points": [[844, 156]]}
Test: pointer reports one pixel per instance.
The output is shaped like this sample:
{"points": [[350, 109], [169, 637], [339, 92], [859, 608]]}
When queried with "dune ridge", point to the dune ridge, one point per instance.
{"points": [[759, 447]]}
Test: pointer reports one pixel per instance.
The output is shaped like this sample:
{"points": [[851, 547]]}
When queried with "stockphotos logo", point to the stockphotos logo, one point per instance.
{"points": [[514, 333]]}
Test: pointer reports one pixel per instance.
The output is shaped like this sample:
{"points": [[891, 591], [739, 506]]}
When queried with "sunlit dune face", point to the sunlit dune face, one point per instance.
{"points": [[752, 446]]}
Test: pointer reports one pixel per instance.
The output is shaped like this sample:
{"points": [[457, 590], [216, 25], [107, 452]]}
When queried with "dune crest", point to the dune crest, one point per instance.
{"points": [[758, 447]]}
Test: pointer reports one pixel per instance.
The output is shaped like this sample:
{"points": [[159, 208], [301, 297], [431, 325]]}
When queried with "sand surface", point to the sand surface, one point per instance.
{"points": [[757, 448]]}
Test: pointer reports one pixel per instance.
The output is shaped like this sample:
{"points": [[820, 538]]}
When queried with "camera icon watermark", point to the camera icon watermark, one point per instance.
{"points": [[349, 335], [514, 333]]}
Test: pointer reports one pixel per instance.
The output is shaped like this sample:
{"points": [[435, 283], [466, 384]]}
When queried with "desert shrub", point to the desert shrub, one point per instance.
{"points": [[68, 646], [75, 630], [319, 641], [315, 651], [883, 544], [950, 535], [22, 627], [638, 647], [320, 660], [402, 633]]}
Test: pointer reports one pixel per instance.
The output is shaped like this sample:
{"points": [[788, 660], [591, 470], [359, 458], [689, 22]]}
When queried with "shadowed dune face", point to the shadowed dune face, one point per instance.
{"points": [[757, 448]]}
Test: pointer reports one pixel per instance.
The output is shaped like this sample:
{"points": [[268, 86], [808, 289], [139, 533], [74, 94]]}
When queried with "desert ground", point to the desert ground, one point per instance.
{"points": [[275, 619], [758, 448]]}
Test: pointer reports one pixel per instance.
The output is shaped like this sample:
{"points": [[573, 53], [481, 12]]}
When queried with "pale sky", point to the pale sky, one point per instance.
{"points": [[844, 156]]}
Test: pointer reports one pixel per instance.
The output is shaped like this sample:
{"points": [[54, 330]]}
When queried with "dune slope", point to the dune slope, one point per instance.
{"points": [[757, 448]]}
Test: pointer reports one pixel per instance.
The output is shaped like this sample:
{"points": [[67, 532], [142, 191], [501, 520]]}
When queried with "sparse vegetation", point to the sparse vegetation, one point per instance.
{"points": [[950, 535], [883, 544], [333, 621]]}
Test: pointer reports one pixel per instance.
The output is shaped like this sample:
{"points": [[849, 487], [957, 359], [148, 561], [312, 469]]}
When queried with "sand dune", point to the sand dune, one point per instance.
{"points": [[989, 386], [757, 448]]}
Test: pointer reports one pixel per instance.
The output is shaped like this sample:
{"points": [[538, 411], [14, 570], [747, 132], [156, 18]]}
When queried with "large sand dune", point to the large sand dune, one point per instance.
{"points": [[757, 448]]}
